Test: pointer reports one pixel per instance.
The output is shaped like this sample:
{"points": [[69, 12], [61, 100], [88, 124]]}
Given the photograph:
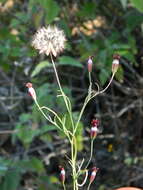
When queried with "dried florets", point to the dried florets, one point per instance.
{"points": [[49, 40]]}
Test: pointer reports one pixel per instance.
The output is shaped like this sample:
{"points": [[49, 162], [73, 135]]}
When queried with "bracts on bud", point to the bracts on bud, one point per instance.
{"points": [[115, 63], [93, 174], [94, 129], [90, 63], [62, 174], [31, 90]]}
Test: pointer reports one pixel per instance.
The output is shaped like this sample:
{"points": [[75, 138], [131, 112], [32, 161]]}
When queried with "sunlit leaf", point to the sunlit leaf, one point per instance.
{"points": [[52, 10], [138, 4], [39, 67], [67, 60]]}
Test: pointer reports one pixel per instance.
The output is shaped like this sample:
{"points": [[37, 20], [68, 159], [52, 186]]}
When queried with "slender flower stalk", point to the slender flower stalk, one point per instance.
{"points": [[93, 133]]}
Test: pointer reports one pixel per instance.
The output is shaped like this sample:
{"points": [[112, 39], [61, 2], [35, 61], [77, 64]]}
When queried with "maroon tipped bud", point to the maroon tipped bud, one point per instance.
{"points": [[95, 122], [31, 90], [94, 129], [29, 85], [90, 63], [93, 174], [62, 174], [115, 63], [116, 56]]}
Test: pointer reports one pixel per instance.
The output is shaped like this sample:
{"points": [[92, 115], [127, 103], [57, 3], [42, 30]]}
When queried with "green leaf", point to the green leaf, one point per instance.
{"points": [[88, 10], [33, 164], [120, 74], [37, 165], [103, 76], [11, 180], [52, 10], [25, 134], [138, 4], [39, 67], [24, 117], [67, 60]]}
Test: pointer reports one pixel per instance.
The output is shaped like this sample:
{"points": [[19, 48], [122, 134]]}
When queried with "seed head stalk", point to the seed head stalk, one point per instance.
{"points": [[67, 103]]}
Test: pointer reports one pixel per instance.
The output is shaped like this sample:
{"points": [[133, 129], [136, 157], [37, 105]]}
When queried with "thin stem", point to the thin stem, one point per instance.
{"points": [[64, 187], [73, 163], [89, 186], [91, 153], [84, 181], [46, 116], [55, 70], [100, 92], [62, 92], [81, 113], [89, 75]]}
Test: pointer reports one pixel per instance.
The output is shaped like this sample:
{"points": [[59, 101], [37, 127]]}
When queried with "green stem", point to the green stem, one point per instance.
{"points": [[62, 92], [100, 92], [64, 187], [89, 186], [73, 162], [81, 113], [46, 115], [91, 153]]}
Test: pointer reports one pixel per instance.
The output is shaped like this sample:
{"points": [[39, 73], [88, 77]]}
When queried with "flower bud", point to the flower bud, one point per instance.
{"points": [[93, 132], [62, 174], [115, 63], [31, 90], [94, 122], [89, 63], [94, 129], [93, 174]]}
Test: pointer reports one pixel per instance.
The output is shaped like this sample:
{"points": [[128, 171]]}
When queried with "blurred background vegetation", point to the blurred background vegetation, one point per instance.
{"points": [[30, 149]]}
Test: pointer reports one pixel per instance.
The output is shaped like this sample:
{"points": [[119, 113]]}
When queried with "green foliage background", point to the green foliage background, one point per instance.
{"points": [[31, 149]]}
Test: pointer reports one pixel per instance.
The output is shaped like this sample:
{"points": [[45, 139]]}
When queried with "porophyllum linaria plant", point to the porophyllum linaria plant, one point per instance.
{"points": [[51, 41]]}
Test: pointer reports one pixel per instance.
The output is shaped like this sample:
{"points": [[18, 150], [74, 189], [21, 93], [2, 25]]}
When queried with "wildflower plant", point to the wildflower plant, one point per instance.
{"points": [[51, 41]]}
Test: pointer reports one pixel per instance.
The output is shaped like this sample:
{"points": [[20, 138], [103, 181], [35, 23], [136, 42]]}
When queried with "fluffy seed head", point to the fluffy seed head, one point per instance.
{"points": [[49, 40]]}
